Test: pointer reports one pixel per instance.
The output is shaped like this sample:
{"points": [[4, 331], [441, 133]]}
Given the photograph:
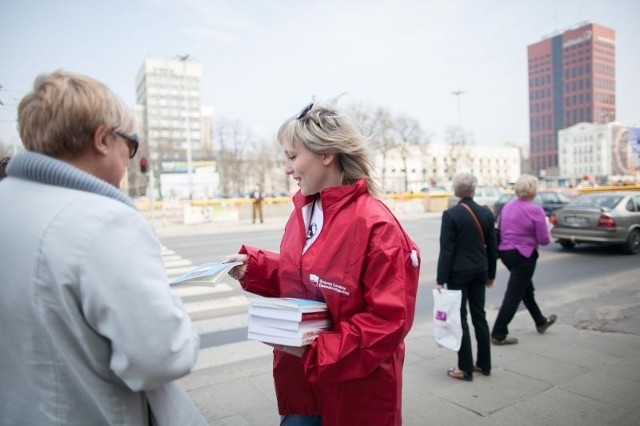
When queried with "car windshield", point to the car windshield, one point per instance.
{"points": [[598, 201]]}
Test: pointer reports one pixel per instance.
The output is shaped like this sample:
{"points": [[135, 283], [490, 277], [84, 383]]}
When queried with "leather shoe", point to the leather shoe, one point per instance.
{"points": [[506, 341], [459, 374], [484, 371], [542, 328]]}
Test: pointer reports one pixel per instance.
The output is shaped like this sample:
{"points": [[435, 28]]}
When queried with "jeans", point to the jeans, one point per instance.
{"points": [[473, 287], [519, 289], [300, 420]]}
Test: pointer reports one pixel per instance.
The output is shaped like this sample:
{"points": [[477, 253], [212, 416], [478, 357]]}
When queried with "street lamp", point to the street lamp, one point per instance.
{"points": [[457, 94], [184, 59]]}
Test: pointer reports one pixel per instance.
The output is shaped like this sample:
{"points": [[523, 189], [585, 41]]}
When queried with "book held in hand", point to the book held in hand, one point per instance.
{"points": [[287, 315], [286, 321], [294, 325], [279, 340], [288, 303], [205, 274]]}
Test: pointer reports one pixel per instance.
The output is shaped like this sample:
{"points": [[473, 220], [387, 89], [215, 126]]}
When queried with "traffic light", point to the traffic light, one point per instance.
{"points": [[143, 165]]}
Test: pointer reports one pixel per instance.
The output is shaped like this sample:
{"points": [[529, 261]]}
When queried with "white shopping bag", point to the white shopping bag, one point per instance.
{"points": [[447, 327]]}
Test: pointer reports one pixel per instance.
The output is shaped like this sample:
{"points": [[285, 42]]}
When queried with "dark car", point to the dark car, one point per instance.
{"points": [[549, 200], [600, 218]]}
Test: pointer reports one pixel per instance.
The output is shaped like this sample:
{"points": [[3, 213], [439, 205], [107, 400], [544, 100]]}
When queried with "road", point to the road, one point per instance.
{"points": [[558, 271]]}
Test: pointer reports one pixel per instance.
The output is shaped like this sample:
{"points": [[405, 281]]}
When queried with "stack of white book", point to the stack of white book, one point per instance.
{"points": [[286, 321]]}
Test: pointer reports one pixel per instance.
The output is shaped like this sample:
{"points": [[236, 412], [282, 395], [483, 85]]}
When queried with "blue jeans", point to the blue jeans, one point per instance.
{"points": [[300, 420]]}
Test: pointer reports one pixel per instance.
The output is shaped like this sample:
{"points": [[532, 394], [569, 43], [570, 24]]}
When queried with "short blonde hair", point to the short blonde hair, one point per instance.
{"points": [[526, 187], [64, 110], [464, 185], [325, 130]]}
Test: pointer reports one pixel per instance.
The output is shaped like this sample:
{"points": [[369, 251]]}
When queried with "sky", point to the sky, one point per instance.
{"points": [[263, 60]]}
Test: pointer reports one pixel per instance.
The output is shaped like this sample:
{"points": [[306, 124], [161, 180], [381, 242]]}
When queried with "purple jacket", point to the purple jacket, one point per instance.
{"points": [[523, 226]]}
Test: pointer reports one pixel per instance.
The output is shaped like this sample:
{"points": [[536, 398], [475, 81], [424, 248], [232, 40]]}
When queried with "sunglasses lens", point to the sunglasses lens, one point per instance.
{"points": [[304, 111]]}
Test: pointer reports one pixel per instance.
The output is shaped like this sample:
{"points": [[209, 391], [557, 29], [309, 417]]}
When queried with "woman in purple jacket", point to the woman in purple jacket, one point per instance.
{"points": [[523, 227]]}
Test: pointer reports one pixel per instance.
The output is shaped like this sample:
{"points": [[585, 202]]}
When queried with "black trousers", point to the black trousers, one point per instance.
{"points": [[473, 286], [519, 289]]}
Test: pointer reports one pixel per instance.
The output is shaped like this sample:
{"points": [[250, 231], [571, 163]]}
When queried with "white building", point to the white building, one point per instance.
{"points": [[436, 163], [174, 126], [169, 90], [598, 151]]}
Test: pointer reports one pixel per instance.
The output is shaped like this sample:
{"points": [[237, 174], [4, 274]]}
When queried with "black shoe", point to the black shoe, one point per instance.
{"points": [[542, 328], [506, 341], [459, 374], [484, 371]]}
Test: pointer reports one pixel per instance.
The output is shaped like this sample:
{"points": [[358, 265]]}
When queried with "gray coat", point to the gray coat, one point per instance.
{"points": [[89, 329]]}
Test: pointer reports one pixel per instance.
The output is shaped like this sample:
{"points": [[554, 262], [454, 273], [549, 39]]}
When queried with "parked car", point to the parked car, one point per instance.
{"points": [[549, 200], [485, 196], [600, 218]]}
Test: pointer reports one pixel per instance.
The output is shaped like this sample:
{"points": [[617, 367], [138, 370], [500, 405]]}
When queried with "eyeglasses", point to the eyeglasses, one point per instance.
{"points": [[132, 142], [305, 111]]}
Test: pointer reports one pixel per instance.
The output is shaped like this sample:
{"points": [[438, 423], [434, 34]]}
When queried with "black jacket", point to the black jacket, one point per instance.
{"points": [[461, 246]]}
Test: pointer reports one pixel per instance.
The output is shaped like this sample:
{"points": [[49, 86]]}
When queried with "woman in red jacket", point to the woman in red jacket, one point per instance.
{"points": [[342, 246]]}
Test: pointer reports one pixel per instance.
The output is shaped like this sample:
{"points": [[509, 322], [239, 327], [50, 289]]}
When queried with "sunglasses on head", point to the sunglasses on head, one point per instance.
{"points": [[305, 111]]}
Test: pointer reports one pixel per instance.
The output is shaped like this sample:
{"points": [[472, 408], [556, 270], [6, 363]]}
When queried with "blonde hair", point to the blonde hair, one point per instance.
{"points": [[325, 130], [64, 110], [526, 187]]}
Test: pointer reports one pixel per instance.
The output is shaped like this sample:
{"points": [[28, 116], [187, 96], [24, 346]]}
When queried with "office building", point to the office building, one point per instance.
{"points": [[599, 153], [169, 90], [571, 80]]}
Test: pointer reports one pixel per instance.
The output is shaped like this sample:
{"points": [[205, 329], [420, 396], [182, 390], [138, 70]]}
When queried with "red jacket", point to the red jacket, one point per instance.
{"points": [[366, 269]]}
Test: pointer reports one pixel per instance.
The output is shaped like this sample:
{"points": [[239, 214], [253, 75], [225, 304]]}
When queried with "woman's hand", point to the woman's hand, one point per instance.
{"points": [[291, 350], [237, 272]]}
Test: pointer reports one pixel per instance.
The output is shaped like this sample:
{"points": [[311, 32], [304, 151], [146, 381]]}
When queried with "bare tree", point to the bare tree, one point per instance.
{"points": [[377, 124], [408, 134], [232, 141], [460, 150]]}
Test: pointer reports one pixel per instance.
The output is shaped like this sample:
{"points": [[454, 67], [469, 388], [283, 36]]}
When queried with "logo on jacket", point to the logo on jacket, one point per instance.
{"points": [[314, 279], [414, 258], [328, 285]]}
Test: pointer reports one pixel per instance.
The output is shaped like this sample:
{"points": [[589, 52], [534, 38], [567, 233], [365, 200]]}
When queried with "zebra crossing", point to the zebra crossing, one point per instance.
{"points": [[211, 309]]}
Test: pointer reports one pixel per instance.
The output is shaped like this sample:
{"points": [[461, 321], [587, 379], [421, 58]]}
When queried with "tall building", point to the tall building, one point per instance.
{"points": [[169, 90], [571, 80]]}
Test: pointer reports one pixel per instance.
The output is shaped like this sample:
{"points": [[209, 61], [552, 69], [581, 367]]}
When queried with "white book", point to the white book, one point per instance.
{"points": [[288, 303], [279, 340], [279, 332], [290, 324], [205, 274], [287, 314]]}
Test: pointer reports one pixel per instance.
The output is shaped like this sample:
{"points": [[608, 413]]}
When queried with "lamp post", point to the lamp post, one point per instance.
{"points": [[457, 94], [184, 59]]}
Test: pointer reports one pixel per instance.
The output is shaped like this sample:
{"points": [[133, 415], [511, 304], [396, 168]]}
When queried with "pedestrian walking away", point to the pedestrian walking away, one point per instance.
{"points": [[343, 246], [467, 262], [523, 227]]}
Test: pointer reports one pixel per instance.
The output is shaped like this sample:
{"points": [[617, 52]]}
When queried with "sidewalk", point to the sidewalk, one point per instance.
{"points": [[584, 371]]}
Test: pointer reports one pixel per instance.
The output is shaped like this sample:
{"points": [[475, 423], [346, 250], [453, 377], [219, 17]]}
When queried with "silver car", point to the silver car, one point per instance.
{"points": [[600, 218], [485, 196]]}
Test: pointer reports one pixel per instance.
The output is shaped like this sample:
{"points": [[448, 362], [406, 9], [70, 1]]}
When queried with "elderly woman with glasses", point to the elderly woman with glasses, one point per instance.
{"points": [[90, 332], [342, 246]]}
